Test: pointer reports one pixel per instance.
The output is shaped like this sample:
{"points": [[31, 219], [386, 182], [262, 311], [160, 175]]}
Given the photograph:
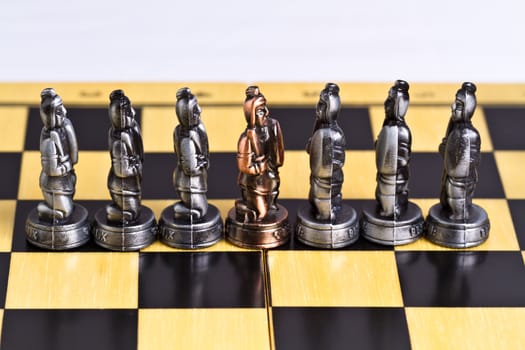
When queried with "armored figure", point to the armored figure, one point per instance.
{"points": [[58, 223], [191, 146], [326, 148], [124, 224], [257, 220], [393, 147], [393, 220], [192, 222], [260, 154], [127, 155], [460, 150], [456, 221], [59, 153], [327, 222]]}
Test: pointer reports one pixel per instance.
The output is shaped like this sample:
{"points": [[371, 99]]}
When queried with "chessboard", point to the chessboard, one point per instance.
{"points": [[365, 296]]}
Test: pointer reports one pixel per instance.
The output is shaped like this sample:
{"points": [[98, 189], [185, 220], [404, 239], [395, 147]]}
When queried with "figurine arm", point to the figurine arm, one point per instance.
{"points": [[279, 157], [321, 156], [189, 157], [247, 161], [405, 144], [50, 157], [124, 162], [72, 139]]}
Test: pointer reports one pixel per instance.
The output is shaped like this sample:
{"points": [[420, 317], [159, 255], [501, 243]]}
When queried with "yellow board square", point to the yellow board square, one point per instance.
{"points": [[428, 125], [157, 128], [360, 173], [466, 328], [502, 235], [12, 132], [73, 280], [91, 170], [510, 165], [295, 175], [224, 205], [209, 329], [7, 222], [334, 278]]}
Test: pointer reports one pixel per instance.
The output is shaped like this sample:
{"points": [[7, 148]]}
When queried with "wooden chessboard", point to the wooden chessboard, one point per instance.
{"points": [[365, 296]]}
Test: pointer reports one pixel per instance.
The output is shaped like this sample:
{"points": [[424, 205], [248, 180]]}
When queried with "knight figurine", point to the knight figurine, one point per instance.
{"points": [[57, 223], [456, 222], [191, 222], [257, 220], [124, 224], [393, 219], [327, 222]]}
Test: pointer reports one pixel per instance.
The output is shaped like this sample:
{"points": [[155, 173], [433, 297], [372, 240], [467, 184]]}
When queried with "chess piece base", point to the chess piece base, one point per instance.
{"points": [[343, 231], [405, 229], [271, 232], [134, 236], [67, 235], [181, 233], [457, 234]]}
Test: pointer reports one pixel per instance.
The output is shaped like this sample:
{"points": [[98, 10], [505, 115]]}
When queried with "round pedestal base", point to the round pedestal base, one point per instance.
{"points": [[71, 233], [271, 232], [183, 233], [406, 228], [457, 234], [134, 236], [343, 231]]}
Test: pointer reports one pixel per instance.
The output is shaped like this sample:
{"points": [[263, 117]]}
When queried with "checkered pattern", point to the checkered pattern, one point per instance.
{"points": [[365, 296]]}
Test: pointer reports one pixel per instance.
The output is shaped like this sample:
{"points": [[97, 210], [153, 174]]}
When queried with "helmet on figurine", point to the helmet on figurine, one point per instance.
{"points": [[121, 112], [255, 110], [187, 108], [465, 104], [329, 103], [52, 111], [396, 104]]}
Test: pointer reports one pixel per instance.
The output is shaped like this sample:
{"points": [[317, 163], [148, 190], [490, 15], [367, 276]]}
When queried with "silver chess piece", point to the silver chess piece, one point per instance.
{"points": [[124, 224], [456, 222], [257, 220], [57, 223], [192, 222], [393, 219], [327, 222]]}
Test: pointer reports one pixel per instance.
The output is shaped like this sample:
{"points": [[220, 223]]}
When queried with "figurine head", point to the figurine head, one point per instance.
{"points": [[396, 104], [187, 108], [465, 104], [121, 112], [255, 110], [329, 103], [52, 111]]}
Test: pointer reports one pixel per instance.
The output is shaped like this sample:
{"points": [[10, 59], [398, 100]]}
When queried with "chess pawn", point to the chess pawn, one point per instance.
{"points": [[192, 222], [124, 224], [456, 222], [393, 219], [327, 222], [257, 220], [57, 223]]}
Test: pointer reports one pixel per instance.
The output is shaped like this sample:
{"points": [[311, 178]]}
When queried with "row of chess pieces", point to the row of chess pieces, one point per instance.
{"points": [[257, 220]]}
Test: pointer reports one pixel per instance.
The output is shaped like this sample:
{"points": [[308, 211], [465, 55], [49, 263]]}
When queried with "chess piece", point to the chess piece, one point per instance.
{"points": [[393, 219], [456, 222], [124, 224], [257, 220], [327, 222], [57, 223], [191, 222]]}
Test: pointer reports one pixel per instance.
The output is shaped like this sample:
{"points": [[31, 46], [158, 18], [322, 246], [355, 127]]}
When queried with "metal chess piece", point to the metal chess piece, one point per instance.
{"points": [[456, 222], [393, 219], [327, 222], [57, 223], [192, 222], [257, 221], [124, 224]]}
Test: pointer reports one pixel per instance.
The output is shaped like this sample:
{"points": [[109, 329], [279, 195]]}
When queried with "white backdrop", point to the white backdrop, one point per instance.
{"points": [[253, 41]]}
